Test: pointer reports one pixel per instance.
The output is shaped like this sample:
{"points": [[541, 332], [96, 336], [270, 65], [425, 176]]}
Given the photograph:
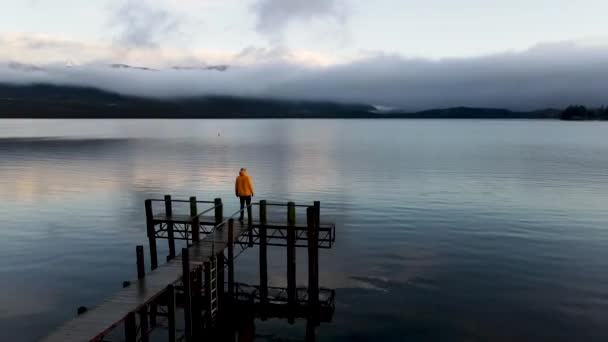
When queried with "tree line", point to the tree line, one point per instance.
{"points": [[584, 113]]}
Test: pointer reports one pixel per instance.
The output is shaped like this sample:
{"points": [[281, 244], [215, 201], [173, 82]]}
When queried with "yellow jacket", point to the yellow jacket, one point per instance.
{"points": [[243, 185]]}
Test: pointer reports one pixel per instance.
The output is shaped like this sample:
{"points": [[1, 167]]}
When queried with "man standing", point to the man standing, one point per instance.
{"points": [[243, 189]]}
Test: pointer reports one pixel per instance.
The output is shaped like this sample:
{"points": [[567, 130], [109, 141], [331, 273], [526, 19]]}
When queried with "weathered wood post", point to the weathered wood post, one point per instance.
{"points": [[195, 227], [317, 206], [208, 300], [141, 270], [219, 257], [313, 258], [291, 256], [219, 211], [263, 253], [170, 235], [230, 259], [197, 288], [187, 294], [130, 328], [153, 254], [170, 293], [143, 324], [250, 223], [311, 330], [151, 234]]}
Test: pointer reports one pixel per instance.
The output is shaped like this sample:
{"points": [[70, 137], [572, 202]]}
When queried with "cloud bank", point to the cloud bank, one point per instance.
{"points": [[550, 75]]}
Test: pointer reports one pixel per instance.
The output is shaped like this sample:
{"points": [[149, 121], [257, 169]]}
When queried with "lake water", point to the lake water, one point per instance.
{"points": [[457, 230]]}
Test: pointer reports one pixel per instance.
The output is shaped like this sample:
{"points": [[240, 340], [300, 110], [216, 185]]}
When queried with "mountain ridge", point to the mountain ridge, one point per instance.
{"points": [[57, 101]]}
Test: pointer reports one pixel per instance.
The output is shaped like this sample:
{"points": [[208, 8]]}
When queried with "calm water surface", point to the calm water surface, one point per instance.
{"points": [[446, 230]]}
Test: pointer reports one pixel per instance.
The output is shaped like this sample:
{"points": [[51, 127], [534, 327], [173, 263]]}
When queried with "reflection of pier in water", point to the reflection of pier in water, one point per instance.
{"points": [[197, 287]]}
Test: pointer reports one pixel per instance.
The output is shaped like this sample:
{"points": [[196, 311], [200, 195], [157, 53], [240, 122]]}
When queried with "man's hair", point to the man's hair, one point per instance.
{"points": [[243, 169]]}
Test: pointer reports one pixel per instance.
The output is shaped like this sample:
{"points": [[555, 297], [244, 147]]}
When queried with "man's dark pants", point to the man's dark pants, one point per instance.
{"points": [[245, 200]]}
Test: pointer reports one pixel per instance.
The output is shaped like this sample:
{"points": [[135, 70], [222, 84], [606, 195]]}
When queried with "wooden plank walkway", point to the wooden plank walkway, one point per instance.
{"points": [[113, 311]]}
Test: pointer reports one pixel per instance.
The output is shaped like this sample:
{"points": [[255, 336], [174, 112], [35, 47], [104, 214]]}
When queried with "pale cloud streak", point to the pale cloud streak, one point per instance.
{"points": [[143, 25], [274, 16]]}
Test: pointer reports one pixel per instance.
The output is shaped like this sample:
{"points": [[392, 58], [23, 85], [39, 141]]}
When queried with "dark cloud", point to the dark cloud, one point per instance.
{"points": [[273, 16], [138, 24], [551, 75]]}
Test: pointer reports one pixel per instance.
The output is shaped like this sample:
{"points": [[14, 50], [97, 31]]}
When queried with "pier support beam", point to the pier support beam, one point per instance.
{"points": [[171, 312], [231, 259], [208, 298], [313, 258], [219, 257], [170, 234], [130, 328], [263, 254], [141, 270], [195, 227], [151, 235], [317, 206], [197, 304], [187, 294], [219, 211], [291, 257], [143, 324]]}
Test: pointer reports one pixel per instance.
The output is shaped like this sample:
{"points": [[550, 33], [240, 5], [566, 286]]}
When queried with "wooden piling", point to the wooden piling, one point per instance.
{"points": [[151, 235], [219, 211], [195, 227], [170, 234], [220, 279], [153, 312], [291, 256], [171, 312], [313, 258], [230, 259], [311, 330], [141, 270], [197, 304], [130, 328], [208, 300], [317, 206], [263, 253], [187, 294], [249, 210], [143, 324]]}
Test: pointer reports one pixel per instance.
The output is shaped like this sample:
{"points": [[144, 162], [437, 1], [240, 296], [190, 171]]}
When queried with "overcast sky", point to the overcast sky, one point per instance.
{"points": [[442, 52]]}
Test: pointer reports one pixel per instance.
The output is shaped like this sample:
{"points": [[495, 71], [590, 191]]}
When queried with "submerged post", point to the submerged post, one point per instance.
{"points": [[219, 268], [208, 299], [130, 328], [317, 206], [313, 258], [219, 211], [195, 221], [187, 294], [171, 312], [151, 234], [291, 256], [263, 254], [143, 324], [249, 209], [196, 290], [170, 236], [231, 259], [141, 270]]}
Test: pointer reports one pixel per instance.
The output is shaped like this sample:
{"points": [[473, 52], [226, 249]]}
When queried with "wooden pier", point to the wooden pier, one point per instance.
{"points": [[200, 281]]}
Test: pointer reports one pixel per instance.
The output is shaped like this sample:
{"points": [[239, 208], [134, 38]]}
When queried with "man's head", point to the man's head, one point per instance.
{"points": [[243, 171]]}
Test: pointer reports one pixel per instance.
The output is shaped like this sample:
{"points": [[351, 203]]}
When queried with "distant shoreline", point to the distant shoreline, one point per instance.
{"points": [[44, 101]]}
